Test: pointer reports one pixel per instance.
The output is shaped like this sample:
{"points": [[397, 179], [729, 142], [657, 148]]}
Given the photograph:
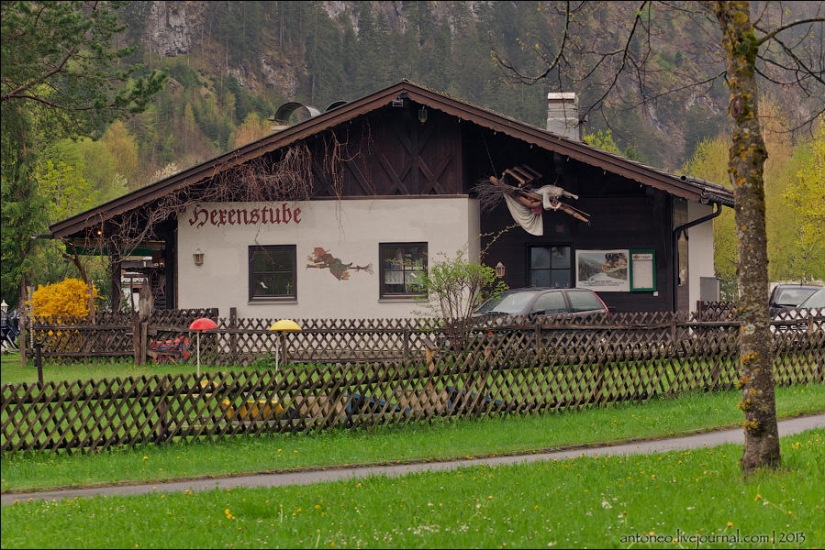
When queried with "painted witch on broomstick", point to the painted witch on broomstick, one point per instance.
{"points": [[323, 259]]}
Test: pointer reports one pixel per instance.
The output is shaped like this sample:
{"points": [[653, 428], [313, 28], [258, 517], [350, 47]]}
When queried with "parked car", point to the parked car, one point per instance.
{"points": [[510, 316], [534, 301], [804, 314], [788, 295], [815, 300]]}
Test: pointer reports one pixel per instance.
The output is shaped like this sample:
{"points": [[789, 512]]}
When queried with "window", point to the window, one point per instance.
{"points": [[550, 266], [272, 272], [584, 300], [402, 265], [550, 302]]}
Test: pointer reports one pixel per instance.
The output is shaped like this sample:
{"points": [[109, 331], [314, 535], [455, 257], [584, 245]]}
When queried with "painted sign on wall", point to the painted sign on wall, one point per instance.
{"points": [[264, 215], [323, 259]]}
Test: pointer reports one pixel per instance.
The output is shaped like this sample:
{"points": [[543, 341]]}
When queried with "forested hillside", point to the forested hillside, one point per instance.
{"points": [[232, 64], [230, 60]]}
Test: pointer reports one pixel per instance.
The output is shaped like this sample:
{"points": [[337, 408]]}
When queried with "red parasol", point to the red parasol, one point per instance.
{"points": [[201, 324]]}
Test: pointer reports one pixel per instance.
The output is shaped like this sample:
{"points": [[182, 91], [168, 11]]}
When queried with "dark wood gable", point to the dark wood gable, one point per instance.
{"points": [[389, 153]]}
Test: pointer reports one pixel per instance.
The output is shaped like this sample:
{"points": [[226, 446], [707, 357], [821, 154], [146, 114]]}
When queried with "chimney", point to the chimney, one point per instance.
{"points": [[563, 115]]}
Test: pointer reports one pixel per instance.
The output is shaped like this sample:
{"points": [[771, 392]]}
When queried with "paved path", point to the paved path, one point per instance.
{"points": [[709, 439]]}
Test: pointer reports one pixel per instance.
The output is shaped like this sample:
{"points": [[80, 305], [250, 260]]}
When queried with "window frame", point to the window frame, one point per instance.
{"points": [[270, 249], [550, 270], [383, 293]]}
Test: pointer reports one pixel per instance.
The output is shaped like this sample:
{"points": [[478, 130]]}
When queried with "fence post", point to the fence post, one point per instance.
{"points": [[38, 361], [673, 327], [145, 304], [162, 428], [233, 338], [405, 350], [282, 344], [136, 338], [21, 325]]}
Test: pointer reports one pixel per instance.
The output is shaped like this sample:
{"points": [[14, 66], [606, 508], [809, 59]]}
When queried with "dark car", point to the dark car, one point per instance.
{"points": [[533, 301], [509, 320], [786, 296], [809, 315], [815, 300]]}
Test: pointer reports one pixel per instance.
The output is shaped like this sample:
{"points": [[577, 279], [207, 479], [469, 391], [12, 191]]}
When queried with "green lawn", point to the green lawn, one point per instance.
{"points": [[438, 440], [606, 502], [601, 502]]}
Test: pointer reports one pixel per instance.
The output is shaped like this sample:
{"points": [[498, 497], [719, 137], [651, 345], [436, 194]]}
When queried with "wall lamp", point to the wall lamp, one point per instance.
{"points": [[198, 257], [500, 270], [422, 115]]}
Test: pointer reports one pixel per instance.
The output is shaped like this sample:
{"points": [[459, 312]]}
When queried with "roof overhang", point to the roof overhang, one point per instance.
{"points": [[684, 187]]}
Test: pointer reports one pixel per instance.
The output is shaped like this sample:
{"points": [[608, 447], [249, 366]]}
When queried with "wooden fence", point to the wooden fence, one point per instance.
{"points": [[510, 366]]}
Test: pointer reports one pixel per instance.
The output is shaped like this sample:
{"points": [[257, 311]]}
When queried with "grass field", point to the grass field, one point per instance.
{"points": [[606, 502], [697, 496]]}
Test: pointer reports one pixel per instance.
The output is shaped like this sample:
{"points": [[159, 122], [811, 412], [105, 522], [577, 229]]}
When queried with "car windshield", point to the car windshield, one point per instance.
{"points": [[508, 303], [817, 299], [792, 296]]}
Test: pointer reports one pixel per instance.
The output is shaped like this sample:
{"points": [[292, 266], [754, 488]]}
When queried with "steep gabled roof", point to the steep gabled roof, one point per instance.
{"points": [[684, 187]]}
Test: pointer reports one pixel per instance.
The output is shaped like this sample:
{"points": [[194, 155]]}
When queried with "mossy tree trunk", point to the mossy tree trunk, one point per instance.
{"points": [[746, 168]]}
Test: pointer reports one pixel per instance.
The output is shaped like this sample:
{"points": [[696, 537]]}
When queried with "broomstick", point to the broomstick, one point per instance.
{"points": [[491, 192]]}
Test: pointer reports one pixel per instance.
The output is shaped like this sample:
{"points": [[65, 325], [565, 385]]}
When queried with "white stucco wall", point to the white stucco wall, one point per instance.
{"points": [[348, 229], [700, 249]]}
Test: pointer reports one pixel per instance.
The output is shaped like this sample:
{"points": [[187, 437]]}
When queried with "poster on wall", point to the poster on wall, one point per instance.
{"points": [[602, 270], [642, 270]]}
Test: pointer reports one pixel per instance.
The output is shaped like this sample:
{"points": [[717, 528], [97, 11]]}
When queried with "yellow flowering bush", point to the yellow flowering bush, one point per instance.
{"points": [[64, 300]]}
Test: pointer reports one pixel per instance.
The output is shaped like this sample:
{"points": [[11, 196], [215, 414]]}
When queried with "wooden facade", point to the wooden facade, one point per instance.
{"points": [[410, 141]]}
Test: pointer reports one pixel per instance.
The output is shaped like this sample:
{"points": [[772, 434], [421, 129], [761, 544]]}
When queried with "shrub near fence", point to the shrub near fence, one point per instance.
{"points": [[499, 369]]}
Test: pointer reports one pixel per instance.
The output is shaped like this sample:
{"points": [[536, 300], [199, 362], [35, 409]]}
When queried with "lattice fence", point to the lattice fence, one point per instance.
{"points": [[512, 366], [245, 342], [111, 337]]}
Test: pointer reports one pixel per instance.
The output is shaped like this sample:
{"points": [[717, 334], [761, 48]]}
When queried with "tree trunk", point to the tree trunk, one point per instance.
{"points": [[747, 159]]}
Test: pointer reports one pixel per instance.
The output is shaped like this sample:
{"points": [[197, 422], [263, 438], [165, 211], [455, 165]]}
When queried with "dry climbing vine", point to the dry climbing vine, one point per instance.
{"points": [[258, 180]]}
